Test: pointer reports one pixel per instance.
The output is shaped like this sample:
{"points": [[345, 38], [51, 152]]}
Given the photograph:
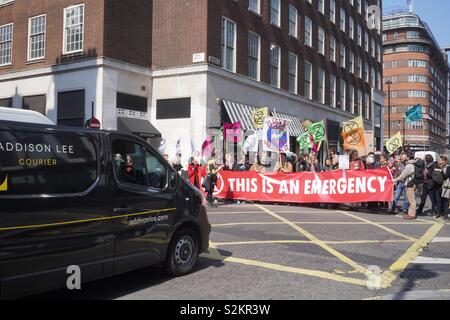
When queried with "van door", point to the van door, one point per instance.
{"points": [[142, 204], [53, 209]]}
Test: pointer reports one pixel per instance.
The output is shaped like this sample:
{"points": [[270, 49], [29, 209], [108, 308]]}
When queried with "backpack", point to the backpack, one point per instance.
{"points": [[419, 173], [438, 177]]}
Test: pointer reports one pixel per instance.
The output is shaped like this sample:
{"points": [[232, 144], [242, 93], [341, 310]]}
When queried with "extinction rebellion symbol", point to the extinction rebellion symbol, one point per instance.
{"points": [[353, 137], [318, 132], [351, 125], [393, 145], [258, 118]]}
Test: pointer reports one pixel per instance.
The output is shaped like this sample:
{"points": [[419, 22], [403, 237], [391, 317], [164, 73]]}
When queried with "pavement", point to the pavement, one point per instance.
{"points": [[279, 252]]}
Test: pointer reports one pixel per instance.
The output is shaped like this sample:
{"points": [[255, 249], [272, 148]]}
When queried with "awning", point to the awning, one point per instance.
{"points": [[242, 113], [295, 126], [139, 127]]}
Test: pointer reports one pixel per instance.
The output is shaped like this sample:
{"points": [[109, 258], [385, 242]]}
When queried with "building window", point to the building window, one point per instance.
{"points": [[308, 80], [321, 5], [275, 65], [333, 90], [254, 45], [351, 62], [321, 41], [342, 95], [275, 6], [167, 109], [359, 104], [351, 27], [36, 41], [333, 11], [6, 103], [6, 36], [342, 20], [308, 31], [367, 106], [342, 55], [293, 67], [228, 45], [321, 85], [73, 29], [2, 2], [254, 5], [36, 103], [71, 108], [332, 49], [351, 99], [293, 21]]}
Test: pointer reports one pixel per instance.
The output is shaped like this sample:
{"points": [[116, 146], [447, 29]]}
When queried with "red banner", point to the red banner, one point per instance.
{"points": [[326, 187]]}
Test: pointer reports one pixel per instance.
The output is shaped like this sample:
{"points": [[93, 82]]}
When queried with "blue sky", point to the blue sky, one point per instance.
{"points": [[434, 12]]}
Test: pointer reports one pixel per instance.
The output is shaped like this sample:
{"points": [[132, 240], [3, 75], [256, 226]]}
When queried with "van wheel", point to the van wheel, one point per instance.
{"points": [[183, 253]]}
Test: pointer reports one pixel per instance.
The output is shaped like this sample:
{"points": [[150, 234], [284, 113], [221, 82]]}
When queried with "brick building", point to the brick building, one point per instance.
{"points": [[190, 66], [416, 72]]}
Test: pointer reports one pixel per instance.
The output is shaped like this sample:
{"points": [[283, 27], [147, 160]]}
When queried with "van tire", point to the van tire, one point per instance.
{"points": [[183, 253]]}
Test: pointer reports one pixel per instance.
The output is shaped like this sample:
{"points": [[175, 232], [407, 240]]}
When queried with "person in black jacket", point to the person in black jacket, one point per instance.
{"points": [[430, 188], [445, 188]]}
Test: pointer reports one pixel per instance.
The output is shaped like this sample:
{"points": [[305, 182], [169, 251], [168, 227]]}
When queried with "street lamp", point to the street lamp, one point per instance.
{"points": [[389, 83]]}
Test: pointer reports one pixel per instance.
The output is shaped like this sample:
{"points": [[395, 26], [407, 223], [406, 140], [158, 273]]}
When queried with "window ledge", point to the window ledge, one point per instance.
{"points": [[35, 61], [275, 26], [5, 66], [7, 4], [255, 13]]}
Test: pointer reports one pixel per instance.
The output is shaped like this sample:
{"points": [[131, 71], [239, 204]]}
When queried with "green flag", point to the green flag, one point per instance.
{"points": [[317, 131], [304, 141]]}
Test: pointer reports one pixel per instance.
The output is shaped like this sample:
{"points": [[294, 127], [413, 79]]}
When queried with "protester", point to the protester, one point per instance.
{"points": [[212, 169], [429, 188], [400, 188], [242, 165], [284, 166], [301, 165], [408, 176], [445, 189], [355, 163], [176, 164], [194, 172]]}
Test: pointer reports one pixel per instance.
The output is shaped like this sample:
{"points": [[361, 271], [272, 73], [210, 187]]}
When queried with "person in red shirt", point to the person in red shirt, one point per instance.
{"points": [[355, 163], [194, 173]]}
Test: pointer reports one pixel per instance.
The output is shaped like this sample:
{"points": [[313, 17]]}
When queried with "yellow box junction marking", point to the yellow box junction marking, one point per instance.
{"points": [[214, 254], [387, 277], [395, 233], [318, 242]]}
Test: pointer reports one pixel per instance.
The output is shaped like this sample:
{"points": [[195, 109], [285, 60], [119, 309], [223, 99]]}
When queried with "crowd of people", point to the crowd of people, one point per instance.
{"points": [[413, 178]]}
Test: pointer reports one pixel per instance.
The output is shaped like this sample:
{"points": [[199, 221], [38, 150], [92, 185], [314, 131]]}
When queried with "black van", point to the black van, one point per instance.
{"points": [[102, 201]]}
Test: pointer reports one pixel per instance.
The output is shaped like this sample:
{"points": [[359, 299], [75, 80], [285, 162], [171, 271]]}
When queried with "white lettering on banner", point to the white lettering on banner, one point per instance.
{"points": [[344, 186], [243, 185], [382, 181], [370, 184]]}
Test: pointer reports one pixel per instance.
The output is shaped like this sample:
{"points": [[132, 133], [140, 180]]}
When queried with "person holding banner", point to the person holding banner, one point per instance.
{"points": [[355, 163], [284, 166], [212, 169]]}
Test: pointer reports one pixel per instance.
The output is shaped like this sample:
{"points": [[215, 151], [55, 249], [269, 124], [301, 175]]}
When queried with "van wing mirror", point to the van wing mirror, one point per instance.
{"points": [[172, 180]]}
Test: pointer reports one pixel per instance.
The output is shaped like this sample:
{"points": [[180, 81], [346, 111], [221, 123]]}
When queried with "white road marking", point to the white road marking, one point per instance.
{"points": [[426, 260], [441, 239]]}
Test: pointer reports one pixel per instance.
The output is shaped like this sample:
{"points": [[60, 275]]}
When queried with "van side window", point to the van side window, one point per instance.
{"points": [[157, 172], [129, 161]]}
